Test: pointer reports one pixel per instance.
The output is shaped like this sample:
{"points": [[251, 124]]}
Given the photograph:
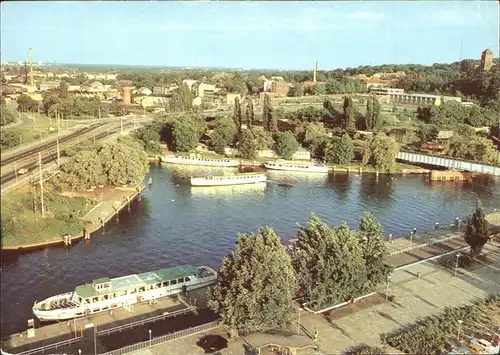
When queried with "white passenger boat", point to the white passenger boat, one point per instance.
{"points": [[106, 294], [179, 159], [296, 166], [236, 179]]}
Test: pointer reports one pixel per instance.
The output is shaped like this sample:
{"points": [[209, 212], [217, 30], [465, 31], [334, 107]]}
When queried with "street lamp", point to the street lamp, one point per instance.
{"points": [[459, 324], [387, 289], [149, 337], [456, 264]]}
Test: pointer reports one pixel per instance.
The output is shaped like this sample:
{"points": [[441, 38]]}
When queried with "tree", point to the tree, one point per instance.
{"points": [[185, 135], [186, 97], [427, 132], [263, 137], [26, 103], [124, 161], [268, 117], [149, 138], [256, 284], [375, 252], [318, 147], [49, 101], [297, 90], [340, 151], [313, 131], [348, 119], [6, 116], [249, 114], [63, 90], [329, 263], [117, 109], [473, 148], [238, 120], [248, 146], [286, 145], [10, 139], [223, 135], [381, 152], [83, 170], [476, 230]]}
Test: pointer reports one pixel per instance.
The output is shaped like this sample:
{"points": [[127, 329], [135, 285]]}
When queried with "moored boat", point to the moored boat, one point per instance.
{"points": [[296, 166], [186, 160], [236, 179], [105, 294]]}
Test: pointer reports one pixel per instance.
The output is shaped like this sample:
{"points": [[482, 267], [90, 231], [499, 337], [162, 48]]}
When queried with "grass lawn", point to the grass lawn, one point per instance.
{"points": [[20, 225]]}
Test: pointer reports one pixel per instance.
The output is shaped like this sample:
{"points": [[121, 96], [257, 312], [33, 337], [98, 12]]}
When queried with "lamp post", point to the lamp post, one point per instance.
{"points": [[387, 289], [149, 337], [456, 264], [459, 325]]}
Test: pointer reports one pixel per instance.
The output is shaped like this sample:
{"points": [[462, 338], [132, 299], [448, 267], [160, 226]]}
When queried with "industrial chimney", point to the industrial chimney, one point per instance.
{"points": [[315, 71]]}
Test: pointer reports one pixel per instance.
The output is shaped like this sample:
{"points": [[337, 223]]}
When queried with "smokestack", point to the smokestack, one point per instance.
{"points": [[315, 71], [32, 83], [127, 97]]}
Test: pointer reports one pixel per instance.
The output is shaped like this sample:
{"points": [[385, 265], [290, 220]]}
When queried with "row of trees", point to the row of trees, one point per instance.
{"points": [[451, 113], [328, 265], [118, 163]]}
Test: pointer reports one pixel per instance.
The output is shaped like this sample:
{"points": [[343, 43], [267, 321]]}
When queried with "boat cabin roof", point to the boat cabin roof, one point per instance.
{"points": [[132, 281], [230, 176]]}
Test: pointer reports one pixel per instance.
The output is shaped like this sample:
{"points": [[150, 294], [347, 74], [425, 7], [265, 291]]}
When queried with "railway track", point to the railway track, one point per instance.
{"points": [[49, 145], [52, 157]]}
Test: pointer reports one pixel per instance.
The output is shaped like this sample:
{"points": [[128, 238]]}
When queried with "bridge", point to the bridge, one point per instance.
{"points": [[450, 163]]}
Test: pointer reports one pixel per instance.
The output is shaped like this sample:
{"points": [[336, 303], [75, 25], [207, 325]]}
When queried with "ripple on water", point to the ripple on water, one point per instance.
{"points": [[175, 224]]}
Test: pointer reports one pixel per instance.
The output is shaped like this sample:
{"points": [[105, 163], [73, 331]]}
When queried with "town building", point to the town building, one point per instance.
{"points": [[280, 88], [205, 89], [144, 91]]}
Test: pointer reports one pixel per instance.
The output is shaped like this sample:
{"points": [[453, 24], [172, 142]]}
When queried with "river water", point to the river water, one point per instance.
{"points": [[175, 224]]}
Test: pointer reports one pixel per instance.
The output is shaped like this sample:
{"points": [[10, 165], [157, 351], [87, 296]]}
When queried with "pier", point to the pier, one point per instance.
{"points": [[73, 333]]}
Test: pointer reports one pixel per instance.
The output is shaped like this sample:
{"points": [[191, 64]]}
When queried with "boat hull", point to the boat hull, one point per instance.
{"points": [[312, 169], [229, 181], [69, 310], [199, 162]]}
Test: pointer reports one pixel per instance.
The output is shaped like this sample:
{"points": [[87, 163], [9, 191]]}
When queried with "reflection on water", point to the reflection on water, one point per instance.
{"points": [[294, 177], [231, 190], [379, 188]]}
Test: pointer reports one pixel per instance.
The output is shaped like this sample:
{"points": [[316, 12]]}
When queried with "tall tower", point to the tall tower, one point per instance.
{"points": [[32, 82], [315, 70], [127, 97]]}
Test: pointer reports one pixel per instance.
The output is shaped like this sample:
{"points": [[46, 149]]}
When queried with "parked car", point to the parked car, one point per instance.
{"points": [[22, 171], [483, 346]]}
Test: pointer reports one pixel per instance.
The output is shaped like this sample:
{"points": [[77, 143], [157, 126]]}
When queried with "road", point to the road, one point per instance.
{"points": [[51, 149]]}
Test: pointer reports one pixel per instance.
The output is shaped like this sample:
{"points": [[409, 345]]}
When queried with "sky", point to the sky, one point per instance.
{"points": [[250, 35]]}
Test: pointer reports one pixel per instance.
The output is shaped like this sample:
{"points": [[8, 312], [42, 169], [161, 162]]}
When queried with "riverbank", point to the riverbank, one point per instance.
{"points": [[355, 167], [106, 202]]}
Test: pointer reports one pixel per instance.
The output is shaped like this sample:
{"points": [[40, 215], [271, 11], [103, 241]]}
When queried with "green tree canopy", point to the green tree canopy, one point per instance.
{"points": [[149, 138], [186, 133], [224, 134], [248, 145], [124, 161], [474, 148], [256, 284], [83, 170], [6, 116], [26, 103], [286, 145], [329, 263], [11, 138], [263, 137], [381, 152], [375, 252], [237, 117], [476, 230], [340, 151]]}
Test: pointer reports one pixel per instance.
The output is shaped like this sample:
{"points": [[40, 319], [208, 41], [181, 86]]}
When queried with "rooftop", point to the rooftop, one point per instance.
{"points": [[136, 280]]}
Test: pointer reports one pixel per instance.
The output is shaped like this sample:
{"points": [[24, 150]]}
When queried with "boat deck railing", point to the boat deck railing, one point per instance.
{"points": [[53, 346]]}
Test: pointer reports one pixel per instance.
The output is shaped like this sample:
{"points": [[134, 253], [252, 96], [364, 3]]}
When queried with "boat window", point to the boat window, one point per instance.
{"points": [[187, 279], [104, 308], [95, 299], [105, 297], [151, 287], [158, 285], [180, 280], [142, 289], [87, 300], [80, 300], [166, 283], [173, 282]]}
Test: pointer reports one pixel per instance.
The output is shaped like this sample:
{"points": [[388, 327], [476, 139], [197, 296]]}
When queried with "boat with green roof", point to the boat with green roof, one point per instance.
{"points": [[106, 294]]}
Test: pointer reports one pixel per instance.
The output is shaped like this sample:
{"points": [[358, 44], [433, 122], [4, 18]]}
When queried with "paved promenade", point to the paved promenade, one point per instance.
{"points": [[414, 298]]}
